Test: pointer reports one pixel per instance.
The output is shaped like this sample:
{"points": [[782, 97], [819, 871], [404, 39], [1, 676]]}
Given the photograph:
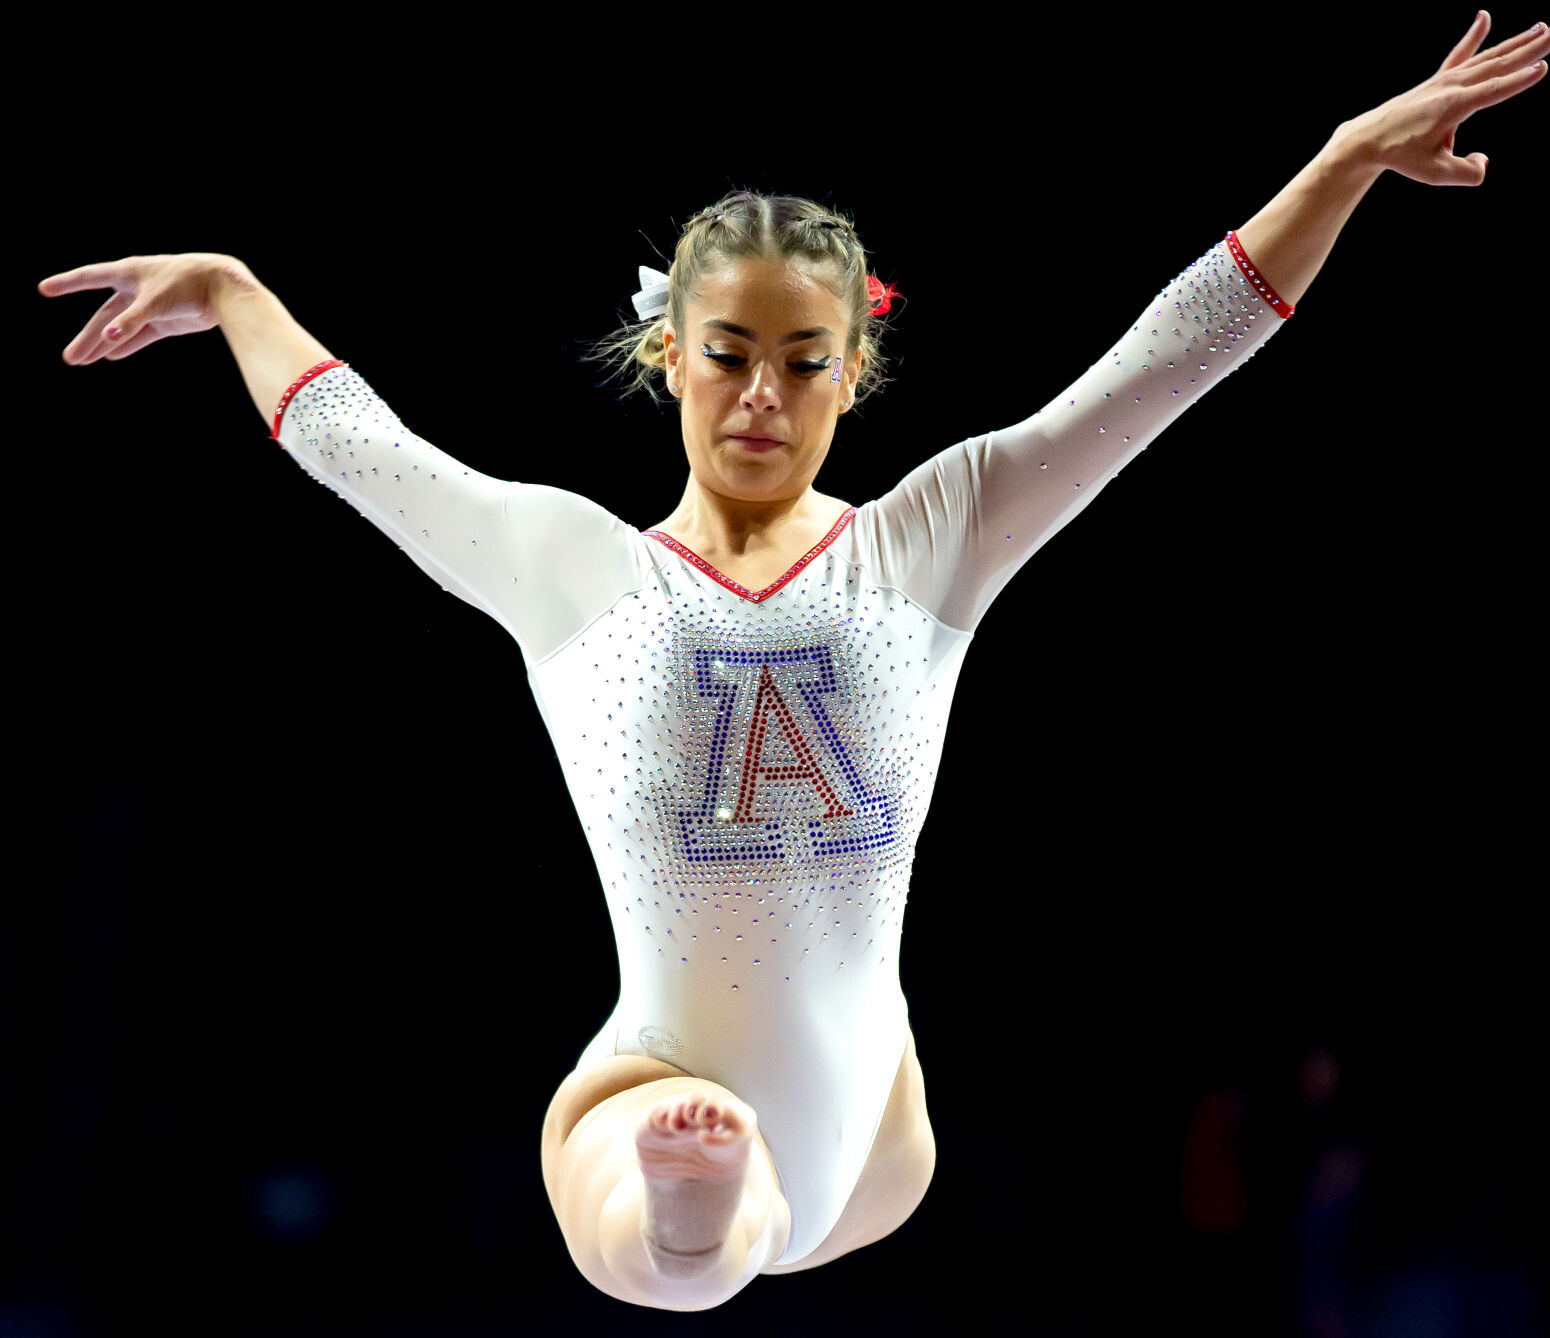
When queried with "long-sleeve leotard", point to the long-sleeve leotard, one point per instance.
{"points": [[752, 769]]}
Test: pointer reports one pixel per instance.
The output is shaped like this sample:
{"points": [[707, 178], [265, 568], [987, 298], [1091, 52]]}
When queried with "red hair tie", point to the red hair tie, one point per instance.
{"points": [[879, 295]]}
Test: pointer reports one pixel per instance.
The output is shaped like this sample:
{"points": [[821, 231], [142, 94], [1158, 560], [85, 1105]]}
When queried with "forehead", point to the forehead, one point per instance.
{"points": [[785, 292]]}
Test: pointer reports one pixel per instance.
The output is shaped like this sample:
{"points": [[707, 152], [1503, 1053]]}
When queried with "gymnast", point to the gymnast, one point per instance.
{"points": [[748, 698]]}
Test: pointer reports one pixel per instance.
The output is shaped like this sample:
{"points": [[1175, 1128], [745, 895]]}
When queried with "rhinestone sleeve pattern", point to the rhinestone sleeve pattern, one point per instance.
{"points": [[1258, 280], [491, 542], [960, 525]]}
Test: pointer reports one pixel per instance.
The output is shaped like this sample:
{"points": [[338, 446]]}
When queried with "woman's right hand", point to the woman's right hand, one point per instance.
{"points": [[154, 297]]}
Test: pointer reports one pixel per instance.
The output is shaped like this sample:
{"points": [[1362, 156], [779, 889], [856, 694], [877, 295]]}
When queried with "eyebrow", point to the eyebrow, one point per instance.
{"points": [[742, 332]]}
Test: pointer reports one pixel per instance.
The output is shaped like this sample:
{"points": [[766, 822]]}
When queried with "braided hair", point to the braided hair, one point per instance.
{"points": [[747, 225]]}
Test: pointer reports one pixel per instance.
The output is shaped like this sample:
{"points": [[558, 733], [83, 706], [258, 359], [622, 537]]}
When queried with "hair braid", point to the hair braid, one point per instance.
{"points": [[779, 228]]}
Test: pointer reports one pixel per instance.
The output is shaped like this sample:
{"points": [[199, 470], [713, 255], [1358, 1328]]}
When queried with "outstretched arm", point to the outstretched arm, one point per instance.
{"points": [[1412, 134], [541, 561], [960, 525]]}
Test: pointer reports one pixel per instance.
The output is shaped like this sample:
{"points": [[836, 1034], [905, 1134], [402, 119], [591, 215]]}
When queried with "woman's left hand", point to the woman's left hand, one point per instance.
{"points": [[1412, 134]]}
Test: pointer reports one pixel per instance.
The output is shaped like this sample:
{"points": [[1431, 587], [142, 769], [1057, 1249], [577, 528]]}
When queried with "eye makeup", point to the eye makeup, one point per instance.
{"points": [[729, 360]]}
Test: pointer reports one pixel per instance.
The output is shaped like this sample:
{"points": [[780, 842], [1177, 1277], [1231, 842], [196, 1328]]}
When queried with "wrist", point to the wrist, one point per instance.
{"points": [[1350, 155], [231, 281]]}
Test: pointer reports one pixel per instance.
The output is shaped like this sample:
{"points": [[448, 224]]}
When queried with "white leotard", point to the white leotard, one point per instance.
{"points": [[752, 768]]}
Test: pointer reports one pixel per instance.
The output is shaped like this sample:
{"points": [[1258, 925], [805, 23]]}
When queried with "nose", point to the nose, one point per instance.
{"points": [[762, 389]]}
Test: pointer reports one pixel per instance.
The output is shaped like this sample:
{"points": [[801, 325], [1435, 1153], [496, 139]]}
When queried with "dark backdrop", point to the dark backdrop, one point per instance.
{"points": [[1227, 1024]]}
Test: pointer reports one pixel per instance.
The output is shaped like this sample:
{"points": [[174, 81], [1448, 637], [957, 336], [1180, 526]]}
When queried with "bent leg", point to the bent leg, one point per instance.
{"points": [[598, 1193]]}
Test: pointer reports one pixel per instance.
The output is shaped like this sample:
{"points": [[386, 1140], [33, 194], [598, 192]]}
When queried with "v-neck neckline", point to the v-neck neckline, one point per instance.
{"points": [[753, 596]]}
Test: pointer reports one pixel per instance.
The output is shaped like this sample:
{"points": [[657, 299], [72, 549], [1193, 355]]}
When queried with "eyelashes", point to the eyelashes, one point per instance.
{"points": [[731, 359]]}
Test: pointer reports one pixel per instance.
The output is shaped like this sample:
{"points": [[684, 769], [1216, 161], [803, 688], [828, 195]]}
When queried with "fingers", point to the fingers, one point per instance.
{"points": [[114, 351], [1505, 86], [92, 343], [1503, 53], [105, 275], [1469, 43], [1527, 45]]}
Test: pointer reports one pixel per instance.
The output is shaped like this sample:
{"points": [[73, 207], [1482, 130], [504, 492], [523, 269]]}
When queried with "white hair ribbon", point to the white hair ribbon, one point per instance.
{"points": [[651, 301]]}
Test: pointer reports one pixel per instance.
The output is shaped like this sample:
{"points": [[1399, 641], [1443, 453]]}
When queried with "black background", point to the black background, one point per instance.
{"points": [[1247, 753]]}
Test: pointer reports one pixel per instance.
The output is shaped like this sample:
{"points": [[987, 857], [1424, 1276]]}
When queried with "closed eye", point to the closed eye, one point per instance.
{"points": [[732, 360]]}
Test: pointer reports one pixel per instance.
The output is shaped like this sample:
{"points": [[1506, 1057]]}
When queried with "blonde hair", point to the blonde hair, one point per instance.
{"points": [[747, 225]]}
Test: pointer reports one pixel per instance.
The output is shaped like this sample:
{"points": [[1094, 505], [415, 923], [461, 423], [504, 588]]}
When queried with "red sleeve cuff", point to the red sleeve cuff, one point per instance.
{"points": [[299, 383], [1270, 295]]}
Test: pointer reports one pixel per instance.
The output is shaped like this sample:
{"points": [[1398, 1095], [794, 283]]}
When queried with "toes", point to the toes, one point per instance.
{"points": [[700, 1110], [697, 1113]]}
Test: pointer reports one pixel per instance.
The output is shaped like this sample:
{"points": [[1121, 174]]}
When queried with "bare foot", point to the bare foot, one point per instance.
{"points": [[692, 1137], [693, 1153]]}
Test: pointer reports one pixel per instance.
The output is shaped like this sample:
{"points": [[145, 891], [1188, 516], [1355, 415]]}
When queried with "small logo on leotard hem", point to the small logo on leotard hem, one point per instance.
{"points": [[659, 1041]]}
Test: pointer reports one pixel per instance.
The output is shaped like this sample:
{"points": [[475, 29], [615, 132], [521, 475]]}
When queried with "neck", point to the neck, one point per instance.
{"points": [[731, 525]]}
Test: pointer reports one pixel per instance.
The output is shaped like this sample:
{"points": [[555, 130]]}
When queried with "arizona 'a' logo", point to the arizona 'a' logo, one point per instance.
{"points": [[796, 789]]}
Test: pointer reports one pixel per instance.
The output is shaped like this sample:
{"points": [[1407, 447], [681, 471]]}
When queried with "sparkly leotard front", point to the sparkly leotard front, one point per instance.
{"points": [[752, 769]]}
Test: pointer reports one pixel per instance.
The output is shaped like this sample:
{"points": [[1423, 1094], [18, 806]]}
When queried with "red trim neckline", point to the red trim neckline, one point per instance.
{"points": [[754, 597], [1282, 309]]}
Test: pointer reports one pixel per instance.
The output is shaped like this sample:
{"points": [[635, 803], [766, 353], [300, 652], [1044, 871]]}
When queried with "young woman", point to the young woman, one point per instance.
{"points": [[748, 698]]}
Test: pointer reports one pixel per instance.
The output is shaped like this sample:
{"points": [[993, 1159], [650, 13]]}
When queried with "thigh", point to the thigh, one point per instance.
{"points": [[895, 1177]]}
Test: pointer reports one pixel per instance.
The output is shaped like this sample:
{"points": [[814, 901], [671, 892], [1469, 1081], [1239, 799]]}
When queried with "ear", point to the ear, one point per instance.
{"points": [[853, 375], [673, 352], [670, 353]]}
